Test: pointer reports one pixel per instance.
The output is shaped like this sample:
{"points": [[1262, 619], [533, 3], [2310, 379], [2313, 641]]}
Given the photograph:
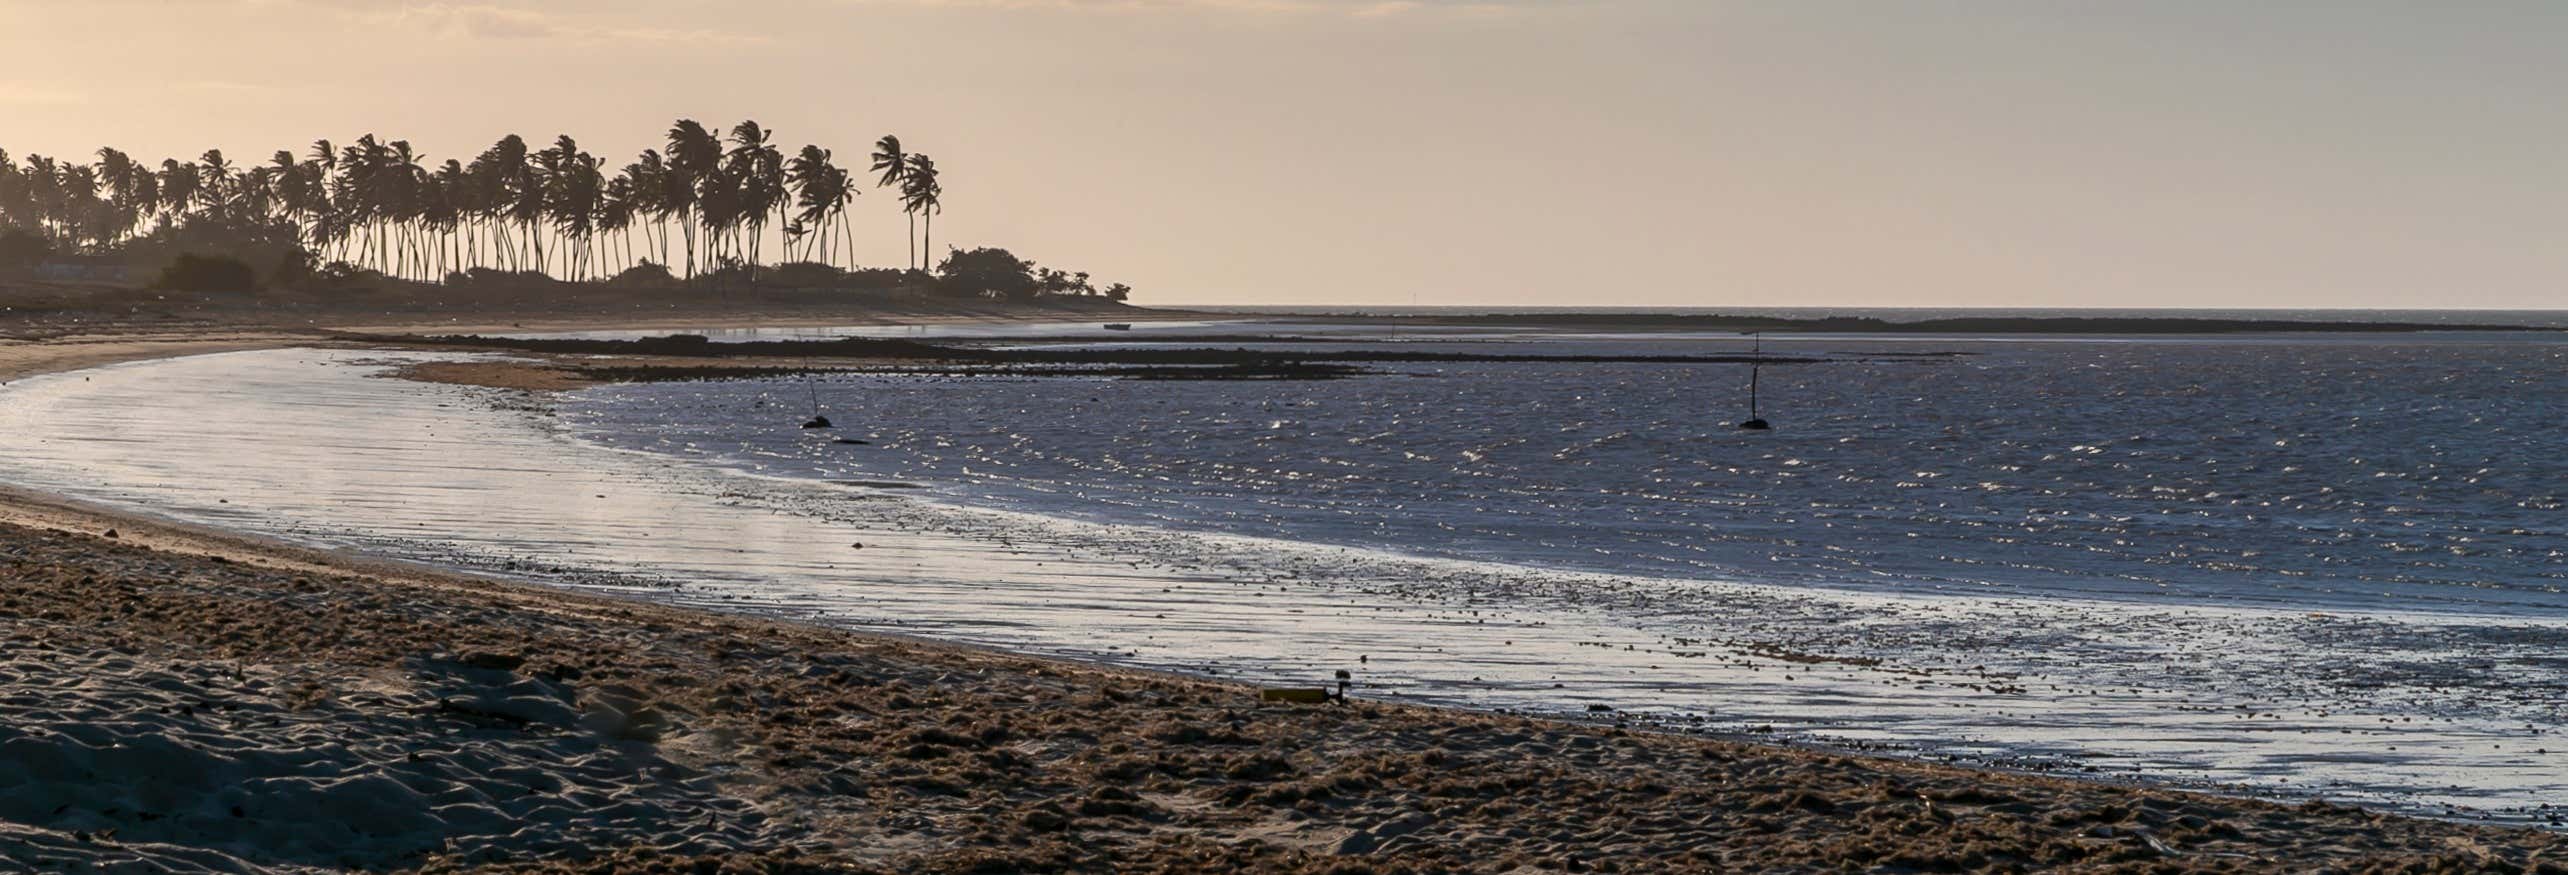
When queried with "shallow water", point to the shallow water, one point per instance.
{"points": [[1051, 523], [2407, 474]]}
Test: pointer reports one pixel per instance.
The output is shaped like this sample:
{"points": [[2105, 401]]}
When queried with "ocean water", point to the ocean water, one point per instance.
{"points": [[2326, 565], [2402, 474]]}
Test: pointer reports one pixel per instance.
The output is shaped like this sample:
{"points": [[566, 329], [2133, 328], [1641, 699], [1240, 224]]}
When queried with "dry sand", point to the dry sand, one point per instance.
{"points": [[179, 699]]}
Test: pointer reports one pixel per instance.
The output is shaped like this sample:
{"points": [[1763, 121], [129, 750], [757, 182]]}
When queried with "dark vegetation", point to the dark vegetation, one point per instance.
{"points": [[709, 215]]}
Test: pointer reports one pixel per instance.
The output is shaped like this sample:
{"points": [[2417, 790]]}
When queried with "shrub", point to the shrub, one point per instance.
{"points": [[988, 271], [207, 273]]}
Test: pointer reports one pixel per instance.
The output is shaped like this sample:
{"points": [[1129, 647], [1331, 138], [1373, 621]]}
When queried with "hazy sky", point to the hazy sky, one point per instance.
{"points": [[1631, 152]]}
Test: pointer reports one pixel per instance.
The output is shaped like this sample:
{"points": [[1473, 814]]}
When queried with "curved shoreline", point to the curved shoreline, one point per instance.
{"points": [[1825, 791]]}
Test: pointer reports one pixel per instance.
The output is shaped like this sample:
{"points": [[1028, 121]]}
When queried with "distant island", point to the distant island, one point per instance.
{"points": [[375, 224]]}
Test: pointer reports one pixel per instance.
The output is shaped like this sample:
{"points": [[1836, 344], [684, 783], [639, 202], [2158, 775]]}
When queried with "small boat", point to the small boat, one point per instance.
{"points": [[1118, 326]]}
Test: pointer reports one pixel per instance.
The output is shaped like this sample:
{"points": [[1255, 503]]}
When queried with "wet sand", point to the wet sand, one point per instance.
{"points": [[335, 712], [246, 707]]}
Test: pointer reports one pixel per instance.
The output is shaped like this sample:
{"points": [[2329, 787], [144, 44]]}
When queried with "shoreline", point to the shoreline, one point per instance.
{"points": [[1827, 819]]}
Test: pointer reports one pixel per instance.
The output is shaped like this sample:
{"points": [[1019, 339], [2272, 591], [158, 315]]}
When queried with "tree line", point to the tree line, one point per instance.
{"points": [[706, 202]]}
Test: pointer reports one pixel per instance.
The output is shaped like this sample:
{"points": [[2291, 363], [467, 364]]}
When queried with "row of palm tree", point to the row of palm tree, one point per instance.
{"points": [[557, 210]]}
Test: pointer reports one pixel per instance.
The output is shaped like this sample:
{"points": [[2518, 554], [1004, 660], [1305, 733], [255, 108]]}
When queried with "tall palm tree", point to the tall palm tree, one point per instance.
{"points": [[922, 195], [404, 202], [757, 171], [695, 166], [448, 193], [573, 188], [496, 176], [82, 210], [527, 178], [891, 164], [617, 207], [117, 171], [178, 188], [214, 182]]}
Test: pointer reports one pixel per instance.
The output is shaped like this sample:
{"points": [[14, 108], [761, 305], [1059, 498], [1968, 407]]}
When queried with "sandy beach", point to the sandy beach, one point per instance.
{"points": [[331, 714], [180, 699]]}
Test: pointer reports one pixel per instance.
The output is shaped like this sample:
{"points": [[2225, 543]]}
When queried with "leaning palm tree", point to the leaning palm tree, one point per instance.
{"points": [[892, 163], [921, 195]]}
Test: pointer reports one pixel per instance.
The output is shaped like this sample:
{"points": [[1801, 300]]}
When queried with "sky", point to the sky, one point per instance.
{"points": [[1925, 153]]}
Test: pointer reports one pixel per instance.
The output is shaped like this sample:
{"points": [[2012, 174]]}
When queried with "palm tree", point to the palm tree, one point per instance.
{"points": [[178, 187], [527, 178], [118, 170], [404, 203], [921, 195], [695, 164], [821, 190], [757, 171], [492, 177], [573, 188], [615, 213], [82, 211], [214, 182], [448, 193], [891, 163], [649, 176]]}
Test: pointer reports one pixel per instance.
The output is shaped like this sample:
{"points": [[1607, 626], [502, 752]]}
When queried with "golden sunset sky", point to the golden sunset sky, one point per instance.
{"points": [[1502, 152]]}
